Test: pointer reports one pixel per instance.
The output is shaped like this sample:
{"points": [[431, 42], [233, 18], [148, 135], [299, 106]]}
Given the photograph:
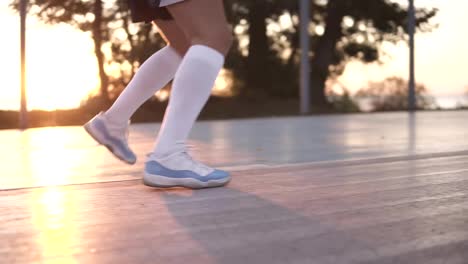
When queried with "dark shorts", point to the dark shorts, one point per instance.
{"points": [[147, 11]]}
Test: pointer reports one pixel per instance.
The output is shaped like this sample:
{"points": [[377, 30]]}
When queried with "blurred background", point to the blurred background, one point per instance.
{"points": [[81, 54]]}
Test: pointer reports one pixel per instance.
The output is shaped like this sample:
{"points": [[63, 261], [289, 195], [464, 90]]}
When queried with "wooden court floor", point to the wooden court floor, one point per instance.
{"points": [[387, 210]]}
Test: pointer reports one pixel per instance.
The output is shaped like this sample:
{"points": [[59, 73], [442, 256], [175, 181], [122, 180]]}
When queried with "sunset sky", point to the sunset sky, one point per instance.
{"points": [[62, 70]]}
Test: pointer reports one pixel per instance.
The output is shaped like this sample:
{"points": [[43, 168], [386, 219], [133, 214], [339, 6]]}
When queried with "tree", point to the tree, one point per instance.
{"points": [[355, 29], [260, 65], [391, 94], [352, 29], [98, 37]]}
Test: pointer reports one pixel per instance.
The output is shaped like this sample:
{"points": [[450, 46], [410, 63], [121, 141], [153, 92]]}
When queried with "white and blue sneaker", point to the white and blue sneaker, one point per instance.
{"points": [[180, 170], [113, 137]]}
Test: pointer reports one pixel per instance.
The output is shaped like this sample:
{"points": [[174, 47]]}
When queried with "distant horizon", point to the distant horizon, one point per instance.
{"points": [[444, 101]]}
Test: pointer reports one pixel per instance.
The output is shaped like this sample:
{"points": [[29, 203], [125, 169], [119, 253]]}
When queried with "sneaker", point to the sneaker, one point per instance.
{"points": [[180, 170], [113, 137]]}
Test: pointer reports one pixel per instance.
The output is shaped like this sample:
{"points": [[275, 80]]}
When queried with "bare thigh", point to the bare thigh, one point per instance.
{"points": [[173, 35], [204, 23]]}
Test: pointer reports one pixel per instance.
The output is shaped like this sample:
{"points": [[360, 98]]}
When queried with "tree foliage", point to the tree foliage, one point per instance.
{"points": [[341, 30], [265, 57], [356, 29]]}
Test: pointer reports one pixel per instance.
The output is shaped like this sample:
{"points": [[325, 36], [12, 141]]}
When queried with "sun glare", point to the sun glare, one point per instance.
{"points": [[61, 69], [53, 211]]}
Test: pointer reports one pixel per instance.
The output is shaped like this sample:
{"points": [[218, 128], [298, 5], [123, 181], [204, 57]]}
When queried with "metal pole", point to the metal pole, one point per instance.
{"points": [[305, 63], [412, 82], [23, 122]]}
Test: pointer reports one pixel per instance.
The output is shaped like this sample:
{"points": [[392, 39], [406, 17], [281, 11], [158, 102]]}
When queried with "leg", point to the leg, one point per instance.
{"points": [[173, 35], [110, 129], [153, 74], [204, 24]]}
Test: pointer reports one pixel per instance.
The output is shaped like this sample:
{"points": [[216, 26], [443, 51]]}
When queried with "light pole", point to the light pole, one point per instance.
{"points": [[412, 82], [305, 63], [23, 118]]}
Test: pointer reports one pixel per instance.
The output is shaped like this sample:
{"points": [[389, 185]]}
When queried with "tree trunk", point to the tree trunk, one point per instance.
{"points": [[258, 80], [97, 37], [324, 53]]}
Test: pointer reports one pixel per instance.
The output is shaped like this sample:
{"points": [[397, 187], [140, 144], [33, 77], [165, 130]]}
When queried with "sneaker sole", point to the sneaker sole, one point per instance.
{"points": [[159, 181], [102, 141]]}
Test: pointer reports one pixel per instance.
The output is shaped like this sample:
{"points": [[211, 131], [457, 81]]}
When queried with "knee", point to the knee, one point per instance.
{"points": [[224, 38], [220, 39], [180, 47]]}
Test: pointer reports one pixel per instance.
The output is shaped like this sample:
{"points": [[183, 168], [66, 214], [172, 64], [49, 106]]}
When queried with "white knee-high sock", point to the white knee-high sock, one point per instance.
{"points": [[191, 89], [154, 74]]}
